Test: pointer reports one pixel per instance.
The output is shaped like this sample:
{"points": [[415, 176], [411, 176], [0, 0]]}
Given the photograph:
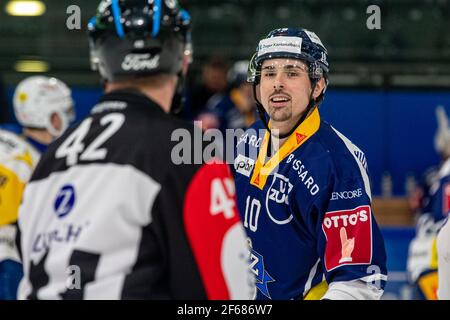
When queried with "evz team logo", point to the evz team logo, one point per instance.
{"points": [[349, 237], [138, 62], [244, 165], [262, 277], [277, 199]]}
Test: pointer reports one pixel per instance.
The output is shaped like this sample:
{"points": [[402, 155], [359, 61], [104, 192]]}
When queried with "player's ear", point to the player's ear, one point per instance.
{"points": [[56, 121], [320, 86]]}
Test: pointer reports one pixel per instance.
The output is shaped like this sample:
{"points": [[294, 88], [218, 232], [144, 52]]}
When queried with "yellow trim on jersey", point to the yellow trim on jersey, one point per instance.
{"points": [[434, 255], [11, 190], [296, 139], [317, 292], [236, 97], [25, 157], [428, 284]]}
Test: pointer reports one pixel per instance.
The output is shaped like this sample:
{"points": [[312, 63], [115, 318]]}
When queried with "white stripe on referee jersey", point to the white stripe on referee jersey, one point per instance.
{"points": [[112, 204]]}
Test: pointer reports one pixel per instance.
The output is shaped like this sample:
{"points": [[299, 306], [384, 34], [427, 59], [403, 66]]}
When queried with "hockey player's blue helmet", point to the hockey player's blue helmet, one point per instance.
{"points": [[295, 43], [136, 38], [291, 43]]}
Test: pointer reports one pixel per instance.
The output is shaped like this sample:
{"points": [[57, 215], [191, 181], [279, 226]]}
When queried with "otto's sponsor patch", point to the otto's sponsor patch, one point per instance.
{"points": [[349, 237]]}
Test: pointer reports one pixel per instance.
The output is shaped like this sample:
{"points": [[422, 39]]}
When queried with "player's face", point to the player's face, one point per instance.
{"points": [[285, 89]]}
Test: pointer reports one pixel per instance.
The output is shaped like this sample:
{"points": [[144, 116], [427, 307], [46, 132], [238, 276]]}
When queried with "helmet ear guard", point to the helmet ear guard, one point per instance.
{"points": [[315, 71]]}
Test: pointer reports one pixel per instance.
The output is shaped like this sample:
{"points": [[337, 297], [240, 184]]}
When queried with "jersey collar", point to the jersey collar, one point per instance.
{"points": [[37, 145], [303, 132]]}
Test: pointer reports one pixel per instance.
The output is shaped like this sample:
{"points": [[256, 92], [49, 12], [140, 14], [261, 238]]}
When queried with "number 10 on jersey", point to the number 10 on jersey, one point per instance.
{"points": [[252, 210]]}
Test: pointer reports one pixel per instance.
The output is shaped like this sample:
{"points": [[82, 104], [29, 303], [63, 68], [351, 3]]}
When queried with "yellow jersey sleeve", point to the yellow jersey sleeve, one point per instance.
{"points": [[11, 189], [317, 292], [17, 162]]}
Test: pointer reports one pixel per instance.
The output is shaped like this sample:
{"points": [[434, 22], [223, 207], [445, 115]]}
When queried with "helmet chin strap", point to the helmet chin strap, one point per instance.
{"points": [[260, 108], [178, 98]]}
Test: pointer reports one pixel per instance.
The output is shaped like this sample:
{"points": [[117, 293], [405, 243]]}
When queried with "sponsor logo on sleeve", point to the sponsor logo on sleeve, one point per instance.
{"points": [[346, 195], [349, 237]]}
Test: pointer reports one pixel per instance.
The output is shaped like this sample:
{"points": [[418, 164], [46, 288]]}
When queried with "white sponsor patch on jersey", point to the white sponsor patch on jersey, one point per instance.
{"points": [[280, 44], [244, 165]]}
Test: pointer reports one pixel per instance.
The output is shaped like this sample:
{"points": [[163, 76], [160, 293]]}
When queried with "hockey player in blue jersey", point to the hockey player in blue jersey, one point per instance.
{"points": [[303, 188]]}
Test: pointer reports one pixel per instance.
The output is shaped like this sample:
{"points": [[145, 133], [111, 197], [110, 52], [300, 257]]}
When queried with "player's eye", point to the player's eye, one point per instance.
{"points": [[292, 74], [269, 73]]}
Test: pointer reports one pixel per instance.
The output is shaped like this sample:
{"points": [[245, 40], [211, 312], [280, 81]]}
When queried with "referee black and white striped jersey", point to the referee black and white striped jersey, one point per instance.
{"points": [[108, 215]]}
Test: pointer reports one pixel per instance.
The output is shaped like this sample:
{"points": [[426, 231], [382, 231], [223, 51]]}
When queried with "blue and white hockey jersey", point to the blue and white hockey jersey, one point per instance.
{"points": [[307, 212]]}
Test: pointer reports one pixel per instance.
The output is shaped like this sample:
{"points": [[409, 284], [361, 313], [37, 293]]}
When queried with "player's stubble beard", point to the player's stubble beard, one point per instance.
{"points": [[281, 114], [285, 114]]}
